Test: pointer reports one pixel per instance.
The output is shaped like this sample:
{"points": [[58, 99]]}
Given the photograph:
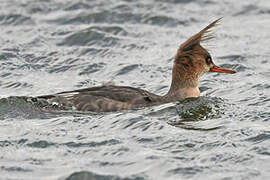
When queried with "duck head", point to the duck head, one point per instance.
{"points": [[192, 61]]}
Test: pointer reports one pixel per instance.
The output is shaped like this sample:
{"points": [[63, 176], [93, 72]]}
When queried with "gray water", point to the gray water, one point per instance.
{"points": [[50, 46]]}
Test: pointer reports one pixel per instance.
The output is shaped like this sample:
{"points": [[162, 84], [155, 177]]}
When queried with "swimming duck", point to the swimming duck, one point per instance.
{"points": [[190, 63]]}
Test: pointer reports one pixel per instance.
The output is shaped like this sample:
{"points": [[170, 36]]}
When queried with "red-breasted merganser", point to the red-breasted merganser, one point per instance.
{"points": [[190, 62]]}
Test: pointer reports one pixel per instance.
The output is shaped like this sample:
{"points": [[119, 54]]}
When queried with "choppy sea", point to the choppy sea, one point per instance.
{"points": [[49, 46]]}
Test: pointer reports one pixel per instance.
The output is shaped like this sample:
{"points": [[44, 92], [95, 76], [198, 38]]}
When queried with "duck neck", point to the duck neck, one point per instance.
{"points": [[184, 85]]}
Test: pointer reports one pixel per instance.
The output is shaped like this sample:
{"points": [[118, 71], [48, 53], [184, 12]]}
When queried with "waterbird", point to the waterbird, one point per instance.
{"points": [[190, 63]]}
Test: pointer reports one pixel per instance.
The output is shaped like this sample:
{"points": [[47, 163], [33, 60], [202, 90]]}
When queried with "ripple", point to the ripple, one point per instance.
{"points": [[5, 143], [15, 169], [100, 52], [15, 19], [186, 171], [87, 175], [117, 17], [115, 30], [127, 69], [131, 122], [177, 1], [246, 10], [60, 68], [240, 67], [38, 7], [77, 5], [162, 21], [261, 150], [259, 138], [232, 58], [14, 85], [90, 36], [252, 9], [97, 17], [92, 68], [40, 144], [6, 54], [93, 144]]}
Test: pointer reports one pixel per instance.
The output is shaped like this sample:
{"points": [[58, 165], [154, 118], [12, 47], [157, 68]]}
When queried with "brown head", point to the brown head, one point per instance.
{"points": [[192, 61]]}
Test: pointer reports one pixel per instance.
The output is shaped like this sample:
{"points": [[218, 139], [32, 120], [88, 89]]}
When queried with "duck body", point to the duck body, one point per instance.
{"points": [[104, 98], [110, 98]]}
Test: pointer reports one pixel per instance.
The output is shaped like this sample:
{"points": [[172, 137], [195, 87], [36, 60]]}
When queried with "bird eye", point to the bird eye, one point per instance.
{"points": [[208, 60]]}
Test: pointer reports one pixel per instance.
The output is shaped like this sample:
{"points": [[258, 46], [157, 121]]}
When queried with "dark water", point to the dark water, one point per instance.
{"points": [[49, 46]]}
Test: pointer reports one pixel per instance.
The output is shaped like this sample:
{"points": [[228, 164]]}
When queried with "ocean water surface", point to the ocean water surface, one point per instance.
{"points": [[49, 46]]}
